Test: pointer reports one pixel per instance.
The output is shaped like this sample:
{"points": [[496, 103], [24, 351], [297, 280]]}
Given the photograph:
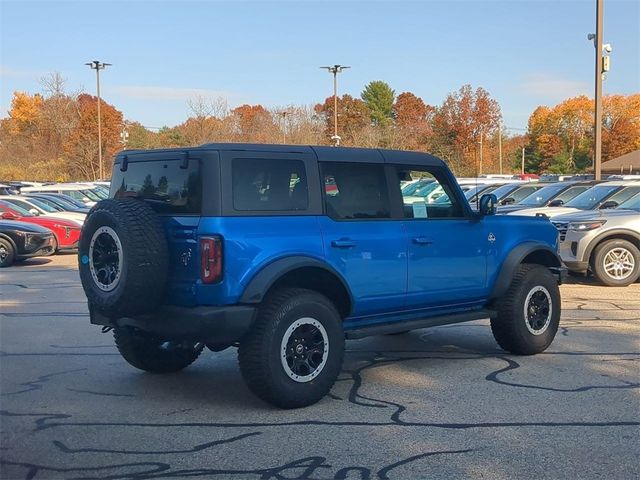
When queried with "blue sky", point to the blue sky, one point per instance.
{"points": [[525, 53]]}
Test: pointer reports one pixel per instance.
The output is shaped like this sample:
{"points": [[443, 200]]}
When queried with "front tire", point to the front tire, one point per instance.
{"points": [[293, 354], [529, 312], [7, 253], [616, 263], [153, 354]]}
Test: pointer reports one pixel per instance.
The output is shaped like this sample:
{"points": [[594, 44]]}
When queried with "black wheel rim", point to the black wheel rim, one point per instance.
{"points": [[4, 253], [105, 258], [537, 310], [304, 349]]}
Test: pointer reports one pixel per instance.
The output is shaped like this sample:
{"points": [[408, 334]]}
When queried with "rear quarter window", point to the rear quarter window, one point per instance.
{"points": [[163, 184]]}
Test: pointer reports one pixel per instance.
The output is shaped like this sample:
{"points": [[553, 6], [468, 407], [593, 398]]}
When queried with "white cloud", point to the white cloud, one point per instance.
{"points": [[168, 93], [553, 88]]}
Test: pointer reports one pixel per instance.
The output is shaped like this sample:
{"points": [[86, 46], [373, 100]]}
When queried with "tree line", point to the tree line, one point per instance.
{"points": [[53, 135]]}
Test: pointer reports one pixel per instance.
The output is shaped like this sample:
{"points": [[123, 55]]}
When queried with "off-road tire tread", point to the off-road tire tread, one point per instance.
{"points": [[148, 358], [254, 349], [503, 326], [146, 258]]}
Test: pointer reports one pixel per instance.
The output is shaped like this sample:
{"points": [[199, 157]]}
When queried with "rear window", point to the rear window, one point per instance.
{"points": [[163, 184], [269, 185]]}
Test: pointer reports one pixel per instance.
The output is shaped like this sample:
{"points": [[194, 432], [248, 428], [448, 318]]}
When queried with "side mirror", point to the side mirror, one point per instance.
{"points": [[8, 216], [33, 211], [609, 204], [556, 203], [488, 204]]}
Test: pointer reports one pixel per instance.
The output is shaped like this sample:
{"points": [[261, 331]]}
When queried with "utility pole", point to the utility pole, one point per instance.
{"points": [[481, 132], [97, 66], [335, 70], [523, 160], [597, 155], [124, 135], [500, 146]]}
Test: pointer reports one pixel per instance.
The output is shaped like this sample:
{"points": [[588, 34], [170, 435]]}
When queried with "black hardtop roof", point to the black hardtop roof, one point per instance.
{"points": [[323, 153]]}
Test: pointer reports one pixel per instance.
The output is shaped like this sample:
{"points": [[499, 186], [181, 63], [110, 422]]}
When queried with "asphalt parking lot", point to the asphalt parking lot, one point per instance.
{"points": [[438, 403]]}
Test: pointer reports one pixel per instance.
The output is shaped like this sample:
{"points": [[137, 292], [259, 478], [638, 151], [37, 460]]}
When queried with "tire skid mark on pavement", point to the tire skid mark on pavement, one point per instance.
{"points": [[302, 468], [38, 382], [196, 448], [102, 394], [513, 365]]}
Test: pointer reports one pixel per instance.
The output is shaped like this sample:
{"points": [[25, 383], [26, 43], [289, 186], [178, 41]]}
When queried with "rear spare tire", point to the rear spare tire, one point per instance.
{"points": [[122, 257]]}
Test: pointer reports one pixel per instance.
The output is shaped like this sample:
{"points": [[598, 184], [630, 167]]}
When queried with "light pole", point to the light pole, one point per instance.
{"points": [[601, 67], [97, 66], [284, 114], [335, 70]]}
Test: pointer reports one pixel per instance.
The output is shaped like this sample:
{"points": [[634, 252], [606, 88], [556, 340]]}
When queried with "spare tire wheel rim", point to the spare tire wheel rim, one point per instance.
{"points": [[105, 258], [304, 349], [619, 263], [538, 309]]}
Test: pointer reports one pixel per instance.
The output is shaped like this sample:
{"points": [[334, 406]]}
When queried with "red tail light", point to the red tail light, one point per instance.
{"points": [[210, 259]]}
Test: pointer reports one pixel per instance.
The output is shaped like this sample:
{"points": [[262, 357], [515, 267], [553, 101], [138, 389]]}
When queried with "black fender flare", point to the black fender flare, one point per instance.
{"points": [[268, 275], [608, 235], [515, 258]]}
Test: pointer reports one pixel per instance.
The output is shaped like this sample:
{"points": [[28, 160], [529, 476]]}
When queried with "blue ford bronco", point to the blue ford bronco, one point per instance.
{"points": [[286, 251]]}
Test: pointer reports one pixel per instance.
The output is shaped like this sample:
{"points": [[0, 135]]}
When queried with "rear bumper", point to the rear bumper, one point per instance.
{"points": [[213, 325]]}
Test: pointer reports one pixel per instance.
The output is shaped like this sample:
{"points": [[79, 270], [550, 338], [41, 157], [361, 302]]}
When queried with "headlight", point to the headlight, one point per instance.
{"points": [[586, 226], [29, 237]]}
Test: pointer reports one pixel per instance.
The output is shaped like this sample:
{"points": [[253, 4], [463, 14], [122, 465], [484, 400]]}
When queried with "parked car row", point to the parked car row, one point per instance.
{"points": [[598, 222], [40, 220]]}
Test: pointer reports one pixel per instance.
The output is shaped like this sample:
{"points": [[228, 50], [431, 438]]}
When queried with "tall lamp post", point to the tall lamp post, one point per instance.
{"points": [[335, 70], [97, 66]]}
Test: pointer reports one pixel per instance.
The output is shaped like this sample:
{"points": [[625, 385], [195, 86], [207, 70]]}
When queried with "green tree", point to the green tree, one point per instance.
{"points": [[379, 98]]}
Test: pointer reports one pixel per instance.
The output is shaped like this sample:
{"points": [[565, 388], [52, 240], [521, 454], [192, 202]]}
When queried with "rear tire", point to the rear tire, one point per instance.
{"points": [[153, 354], [616, 263], [293, 353], [7, 253], [123, 258], [529, 312]]}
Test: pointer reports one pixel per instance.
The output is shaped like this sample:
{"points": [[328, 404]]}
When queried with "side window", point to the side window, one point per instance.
{"points": [[355, 191], [624, 194], [269, 185], [569, 193], [427, 194]]}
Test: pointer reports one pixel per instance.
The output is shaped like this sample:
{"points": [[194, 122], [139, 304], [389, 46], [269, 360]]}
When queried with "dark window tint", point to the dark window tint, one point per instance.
{"points": [[355, 191], [269, 185], [163, 184]]}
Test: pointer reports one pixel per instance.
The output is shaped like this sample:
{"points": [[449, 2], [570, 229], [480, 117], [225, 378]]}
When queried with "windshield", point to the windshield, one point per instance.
{"points": [[542, 196], [43, 206], [91, 195], [592, 197], [66, 198], [505, 190], [18, 209], [60, 202], [632, 204]]}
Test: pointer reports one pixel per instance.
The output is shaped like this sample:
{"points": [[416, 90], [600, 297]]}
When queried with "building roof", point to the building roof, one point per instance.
{"points": [[627, 163]]}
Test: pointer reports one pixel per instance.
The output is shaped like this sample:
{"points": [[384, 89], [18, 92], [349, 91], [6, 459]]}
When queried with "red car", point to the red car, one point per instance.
{"points": [[65, 232]]}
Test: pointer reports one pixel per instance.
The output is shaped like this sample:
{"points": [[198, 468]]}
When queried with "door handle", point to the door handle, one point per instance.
{"points": [[422, 241], [343, 243]]}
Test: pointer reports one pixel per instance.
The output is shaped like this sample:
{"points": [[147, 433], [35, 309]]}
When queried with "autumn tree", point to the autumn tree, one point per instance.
{"points": [[413, 119], [620, 125], [253, 123], [464, 117], [82, 144], [353, 116], [379, 97]]}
